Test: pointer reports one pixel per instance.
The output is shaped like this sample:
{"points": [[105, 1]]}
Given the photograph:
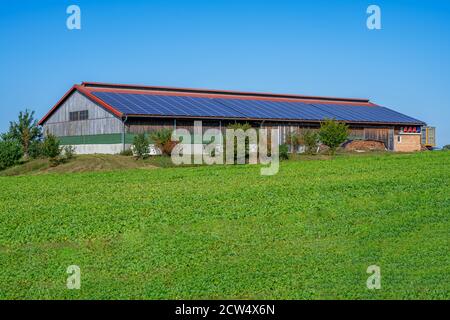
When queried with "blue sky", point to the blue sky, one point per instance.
{"points": [[306, 47]]}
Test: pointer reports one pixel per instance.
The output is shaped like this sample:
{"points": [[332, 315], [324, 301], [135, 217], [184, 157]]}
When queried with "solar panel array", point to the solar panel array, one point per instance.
{"points": [[186, 106]]}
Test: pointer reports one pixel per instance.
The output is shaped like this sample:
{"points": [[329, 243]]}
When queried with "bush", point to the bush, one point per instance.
{"points": [[333, 133], [10, 152], [311, 141], [69, 152], [51, 149], [163, 140], [141, 146], [35, 149], [447, 147], [283, 151]]}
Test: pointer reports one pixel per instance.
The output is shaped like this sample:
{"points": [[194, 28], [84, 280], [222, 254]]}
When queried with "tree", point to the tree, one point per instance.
{"points": [[10, 152], [141, 146], [25, 130], [311, 141], [333, 133], [51, 149], [447, 147]]}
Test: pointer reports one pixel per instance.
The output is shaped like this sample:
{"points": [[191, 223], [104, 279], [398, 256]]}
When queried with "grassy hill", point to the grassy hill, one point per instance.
{"points": [[310, 231], [84, 163]]}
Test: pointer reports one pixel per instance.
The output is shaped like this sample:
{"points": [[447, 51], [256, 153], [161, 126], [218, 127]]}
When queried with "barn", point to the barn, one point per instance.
{"points": [[104, 118]]}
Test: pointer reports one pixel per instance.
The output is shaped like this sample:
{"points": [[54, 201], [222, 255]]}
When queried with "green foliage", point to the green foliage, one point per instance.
{"points": [[284, 152], [51, 149], [10, 153], [192, 233], [69, 152], [446, 147], [311, 141], [26, 130], [141, 146], [163, 140], [35, 149], [333, 133]]}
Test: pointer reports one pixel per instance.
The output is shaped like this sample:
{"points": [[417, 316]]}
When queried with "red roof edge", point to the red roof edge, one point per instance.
{"points": [[212, 91], [66, 95], [110, 108], [85, 92]]}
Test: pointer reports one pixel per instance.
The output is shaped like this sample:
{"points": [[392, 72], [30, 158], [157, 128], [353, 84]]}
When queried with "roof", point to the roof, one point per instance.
{"points": [[162, 102]]}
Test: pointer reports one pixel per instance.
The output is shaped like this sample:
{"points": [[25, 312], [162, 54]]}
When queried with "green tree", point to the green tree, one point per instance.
{"points": [[51, 149], [446, 147], [333, 133], [311, 141], [25, 130], [10, 152], [141, 146], [35, 149]]}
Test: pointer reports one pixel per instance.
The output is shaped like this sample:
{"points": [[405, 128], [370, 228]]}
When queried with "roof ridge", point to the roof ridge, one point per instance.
{"points": [[221, 92]]}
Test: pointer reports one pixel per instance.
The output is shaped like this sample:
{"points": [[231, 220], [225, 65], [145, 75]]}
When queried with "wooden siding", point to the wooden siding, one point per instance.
{"points": [[385, 135], [100, 121]]}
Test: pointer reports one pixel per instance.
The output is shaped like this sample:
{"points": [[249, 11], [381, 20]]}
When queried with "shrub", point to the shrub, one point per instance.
{"points": [[141, 146], [333, 133], [51, 149], [10, 152], [69, 152], [35, 149], [311, 141], [446, 147], [283, 152], [163, 140]]}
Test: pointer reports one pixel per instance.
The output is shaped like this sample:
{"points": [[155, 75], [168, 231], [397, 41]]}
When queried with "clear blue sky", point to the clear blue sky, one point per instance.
{"points": [[316, 47]]}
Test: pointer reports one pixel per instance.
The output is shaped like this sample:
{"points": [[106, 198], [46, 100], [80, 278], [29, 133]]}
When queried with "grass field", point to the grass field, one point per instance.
{"points": [[227, 232]]}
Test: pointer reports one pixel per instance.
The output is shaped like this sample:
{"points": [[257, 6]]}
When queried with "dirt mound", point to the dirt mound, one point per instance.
{"points": [[365, 145]]}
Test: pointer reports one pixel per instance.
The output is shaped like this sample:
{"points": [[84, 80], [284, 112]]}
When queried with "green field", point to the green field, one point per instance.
{"points": [[226, 232]]}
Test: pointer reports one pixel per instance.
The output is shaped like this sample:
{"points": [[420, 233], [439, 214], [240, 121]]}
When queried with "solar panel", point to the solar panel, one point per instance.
{"points": [[366, 114], [145, 104], [169, 105]]}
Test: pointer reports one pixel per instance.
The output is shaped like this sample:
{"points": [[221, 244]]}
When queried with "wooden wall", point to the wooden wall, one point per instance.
{"points": [[100, 121]]}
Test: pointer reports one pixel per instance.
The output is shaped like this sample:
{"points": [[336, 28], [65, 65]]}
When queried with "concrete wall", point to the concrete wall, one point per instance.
{"points": [[100, 121], [99, 148], [407, 142]]}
